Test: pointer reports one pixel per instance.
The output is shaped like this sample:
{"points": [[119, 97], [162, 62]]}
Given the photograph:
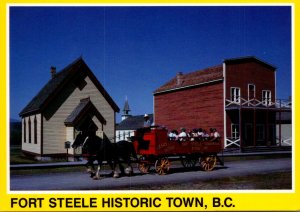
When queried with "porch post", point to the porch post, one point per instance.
{"points": [[279, 122], [254, 127], [267, 130], [240, 127]]}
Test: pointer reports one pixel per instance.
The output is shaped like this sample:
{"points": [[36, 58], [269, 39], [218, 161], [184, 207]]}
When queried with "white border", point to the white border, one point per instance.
{"points": [[224, 106], [147, 191], [7, 101], [293, 9]]}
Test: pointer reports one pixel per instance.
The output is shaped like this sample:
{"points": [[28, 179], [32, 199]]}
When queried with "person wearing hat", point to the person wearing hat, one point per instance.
{"points": [[146, 126], [147, 122]]}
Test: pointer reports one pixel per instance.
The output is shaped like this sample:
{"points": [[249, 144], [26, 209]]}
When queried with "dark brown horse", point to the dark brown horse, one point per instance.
{"points": [[101, 149]]}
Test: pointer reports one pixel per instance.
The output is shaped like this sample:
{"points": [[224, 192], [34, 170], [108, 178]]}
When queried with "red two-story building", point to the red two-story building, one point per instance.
{"points": [[237, 98]]}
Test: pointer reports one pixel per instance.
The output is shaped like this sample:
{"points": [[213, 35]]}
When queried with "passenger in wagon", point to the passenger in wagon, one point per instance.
{"points": [[211, 132], [200, 134], [173, 135], [194, 135], [215, 135], [182, 135], [205, 135]]}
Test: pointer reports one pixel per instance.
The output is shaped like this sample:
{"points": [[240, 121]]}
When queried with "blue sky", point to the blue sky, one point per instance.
{"points": [[134, 50]]}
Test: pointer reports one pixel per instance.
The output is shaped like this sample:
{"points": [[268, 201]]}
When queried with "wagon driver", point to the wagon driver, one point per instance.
{"points": [[147, 122], [146, 126]]}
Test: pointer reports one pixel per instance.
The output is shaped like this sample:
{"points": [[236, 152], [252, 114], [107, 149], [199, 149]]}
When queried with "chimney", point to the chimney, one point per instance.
{"points": [[53, 71], [179, 77]]}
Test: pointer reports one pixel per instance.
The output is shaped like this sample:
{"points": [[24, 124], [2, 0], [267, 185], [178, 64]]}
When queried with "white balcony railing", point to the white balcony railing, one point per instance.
{"points": [[279, 103], [232, 142]]}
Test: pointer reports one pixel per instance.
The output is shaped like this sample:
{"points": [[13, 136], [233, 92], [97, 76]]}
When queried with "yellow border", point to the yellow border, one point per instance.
{"points": [[263, 201]]}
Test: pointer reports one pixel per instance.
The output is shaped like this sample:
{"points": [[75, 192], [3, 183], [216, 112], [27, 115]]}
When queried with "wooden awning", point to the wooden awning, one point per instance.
{"points": [[82, 110]]}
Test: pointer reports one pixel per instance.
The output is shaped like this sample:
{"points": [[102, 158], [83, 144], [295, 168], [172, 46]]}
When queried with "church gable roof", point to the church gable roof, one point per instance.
{"points": [[58, 82]]}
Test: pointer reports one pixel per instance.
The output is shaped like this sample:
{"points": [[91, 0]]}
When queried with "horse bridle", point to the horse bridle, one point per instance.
{"points": [[85, 141]]}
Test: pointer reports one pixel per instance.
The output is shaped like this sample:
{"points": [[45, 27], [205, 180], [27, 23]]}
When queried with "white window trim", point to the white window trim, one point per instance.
{"points": [[236, 100], [249, 90], [266, 100]]}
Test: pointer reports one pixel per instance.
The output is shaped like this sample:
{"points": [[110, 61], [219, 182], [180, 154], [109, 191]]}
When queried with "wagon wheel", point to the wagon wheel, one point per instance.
{"points": [[162, 166], [188, 162], [143, 165], [208, 162]]}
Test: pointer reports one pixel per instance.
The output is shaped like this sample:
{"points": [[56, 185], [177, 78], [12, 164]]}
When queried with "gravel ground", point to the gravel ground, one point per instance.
{"points": [[276, 180]]}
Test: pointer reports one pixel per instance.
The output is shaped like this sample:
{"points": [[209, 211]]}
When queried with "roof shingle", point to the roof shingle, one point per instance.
{"points": [[193, 78]]}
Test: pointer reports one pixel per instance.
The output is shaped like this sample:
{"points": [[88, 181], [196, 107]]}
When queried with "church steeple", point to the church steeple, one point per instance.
{"points": [[126, 110]]}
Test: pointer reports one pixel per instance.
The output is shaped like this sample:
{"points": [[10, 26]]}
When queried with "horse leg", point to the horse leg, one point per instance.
{"points": [[128, 170], [90, 166], [113, 168], [122, 170], [97, 174]]}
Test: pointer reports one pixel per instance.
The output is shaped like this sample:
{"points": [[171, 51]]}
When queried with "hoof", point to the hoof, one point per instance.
{"points": [[129, 171], [116, 175], [89, 170], [93, 174], [96, 178]]}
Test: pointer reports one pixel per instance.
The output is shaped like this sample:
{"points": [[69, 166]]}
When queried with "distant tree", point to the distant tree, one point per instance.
{"points": [[15, 133]]}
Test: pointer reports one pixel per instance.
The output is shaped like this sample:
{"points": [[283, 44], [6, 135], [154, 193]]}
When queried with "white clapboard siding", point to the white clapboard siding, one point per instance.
{"points": [[55, 129]]}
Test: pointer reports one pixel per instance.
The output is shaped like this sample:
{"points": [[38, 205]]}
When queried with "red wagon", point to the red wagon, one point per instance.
{"points": [[156, 148]]}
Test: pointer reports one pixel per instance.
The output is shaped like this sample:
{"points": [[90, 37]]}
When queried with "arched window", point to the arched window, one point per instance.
{"points": [[29, 130], [24, 129], [35, 130]]}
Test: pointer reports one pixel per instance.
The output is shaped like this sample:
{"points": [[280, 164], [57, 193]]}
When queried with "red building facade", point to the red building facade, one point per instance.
{"points": [[236, 97]]}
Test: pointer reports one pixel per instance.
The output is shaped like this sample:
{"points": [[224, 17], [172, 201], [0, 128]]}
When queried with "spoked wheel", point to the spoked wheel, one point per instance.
{"points": [[208, 162], [144, 165], [188, 162], [162, 166]]}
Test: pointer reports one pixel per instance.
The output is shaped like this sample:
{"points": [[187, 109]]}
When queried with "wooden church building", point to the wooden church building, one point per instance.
{"points": [[236, 97], [72, 101]]}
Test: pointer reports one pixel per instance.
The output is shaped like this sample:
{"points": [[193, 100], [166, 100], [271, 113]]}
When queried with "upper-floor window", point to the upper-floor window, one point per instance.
{"points": [[251, 91], [235, 95], [266, 97]]}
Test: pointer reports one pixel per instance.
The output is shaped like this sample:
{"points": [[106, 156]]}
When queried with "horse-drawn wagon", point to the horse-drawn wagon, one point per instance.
{"points": [[156, 148]]}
